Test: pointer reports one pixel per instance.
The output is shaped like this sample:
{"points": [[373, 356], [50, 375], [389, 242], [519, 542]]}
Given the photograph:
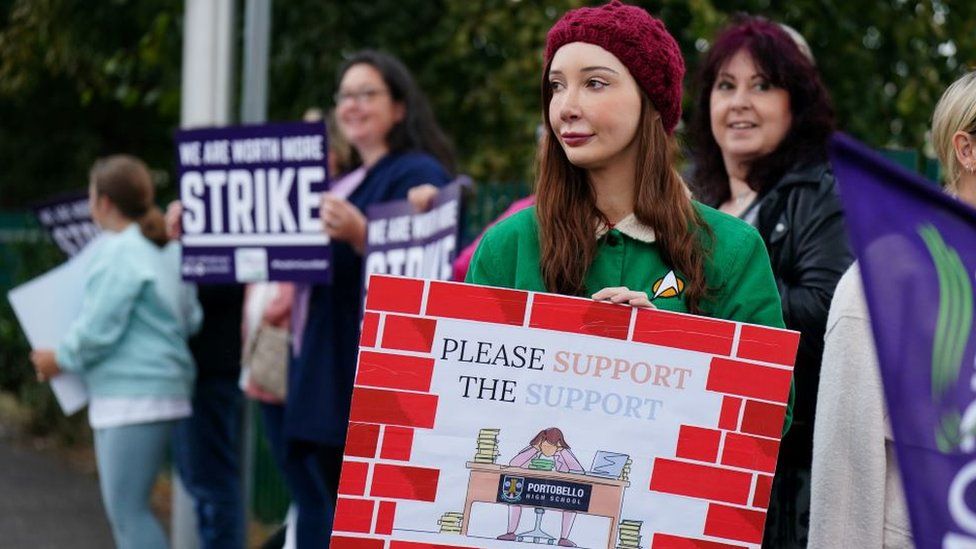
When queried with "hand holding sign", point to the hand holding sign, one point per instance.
{"points": [[422, 197], [343, 221], [174, 212], [624, 295], [45, 364]]}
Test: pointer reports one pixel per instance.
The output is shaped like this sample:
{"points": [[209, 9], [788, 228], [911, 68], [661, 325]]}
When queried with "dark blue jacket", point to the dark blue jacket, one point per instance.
{"points": [[320, 378]]}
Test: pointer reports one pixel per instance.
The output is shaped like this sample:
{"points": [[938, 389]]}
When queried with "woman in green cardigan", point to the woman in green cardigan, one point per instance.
{"points": [[613, 218]]}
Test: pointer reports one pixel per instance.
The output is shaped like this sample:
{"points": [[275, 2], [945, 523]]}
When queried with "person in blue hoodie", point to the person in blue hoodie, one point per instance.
{"points": [[129, 345]]}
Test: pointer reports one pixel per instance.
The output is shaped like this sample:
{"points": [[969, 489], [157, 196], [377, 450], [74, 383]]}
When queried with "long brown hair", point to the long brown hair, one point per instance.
{"points": [[126, 181], [552, 435], [568, 216]]}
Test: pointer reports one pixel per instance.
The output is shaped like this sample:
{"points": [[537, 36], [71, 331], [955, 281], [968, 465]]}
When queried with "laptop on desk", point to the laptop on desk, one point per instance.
{"points": [[608, 464]]}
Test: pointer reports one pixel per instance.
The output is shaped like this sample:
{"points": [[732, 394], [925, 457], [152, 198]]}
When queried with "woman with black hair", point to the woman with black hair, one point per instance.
{"points": [[397, 145], [763, 122]]}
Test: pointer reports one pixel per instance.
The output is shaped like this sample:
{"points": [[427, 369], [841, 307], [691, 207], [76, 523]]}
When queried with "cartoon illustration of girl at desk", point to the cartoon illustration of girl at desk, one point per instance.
{"points": [[547, 451]]}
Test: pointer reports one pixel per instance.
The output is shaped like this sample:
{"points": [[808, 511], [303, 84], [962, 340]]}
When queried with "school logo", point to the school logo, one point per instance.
{"points": [[952, 331], [668, 286], [511, 489]]}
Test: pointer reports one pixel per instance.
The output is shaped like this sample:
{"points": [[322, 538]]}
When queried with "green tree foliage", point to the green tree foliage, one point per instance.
{"points": [[79, 79], [82, 79], [886, 62]]}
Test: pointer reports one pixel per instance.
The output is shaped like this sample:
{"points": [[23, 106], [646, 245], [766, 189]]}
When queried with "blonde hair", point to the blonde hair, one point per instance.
{"points": [[956, 111]]}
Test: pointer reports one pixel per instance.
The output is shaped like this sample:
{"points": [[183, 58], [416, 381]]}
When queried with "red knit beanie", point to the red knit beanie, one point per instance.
{"points": [[641, 43]]}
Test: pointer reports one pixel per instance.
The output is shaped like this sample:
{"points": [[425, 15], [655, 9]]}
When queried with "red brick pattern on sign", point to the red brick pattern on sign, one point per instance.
{"points": [[418, 545], [371, 324], [583, 316], [397, 443], [665, 541], [479, 303], [768, 345], [354, 515], [361, 439], [694, 333], [385, 516], [700, 481], [724, 521], [749, 452], [408, 333], [762, 418], [393, 407], [764, 485], [727, 465], [749, 380], [395, 295], [404, 482], [698, 443], [348, 542], [352, 481], [728, 418], [391, 371]]}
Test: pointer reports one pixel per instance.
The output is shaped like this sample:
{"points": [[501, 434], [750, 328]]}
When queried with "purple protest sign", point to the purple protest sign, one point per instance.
{"points": [[68, 220], [250, 198], [917, 251], [400, 241]]}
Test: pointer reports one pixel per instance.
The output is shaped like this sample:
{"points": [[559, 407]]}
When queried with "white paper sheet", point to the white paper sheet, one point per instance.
{"points": [[45, 307]]}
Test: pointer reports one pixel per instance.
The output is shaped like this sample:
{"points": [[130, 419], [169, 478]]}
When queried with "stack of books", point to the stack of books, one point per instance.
{"points": [[628, 534], [625, 473], [450, 522], [487, 451], [542, 464]]}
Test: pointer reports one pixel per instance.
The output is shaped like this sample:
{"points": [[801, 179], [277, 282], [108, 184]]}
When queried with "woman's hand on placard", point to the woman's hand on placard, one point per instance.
{"points": [[624, 296], [45, 364], [422, 197], [341, 220], [174, 220]]}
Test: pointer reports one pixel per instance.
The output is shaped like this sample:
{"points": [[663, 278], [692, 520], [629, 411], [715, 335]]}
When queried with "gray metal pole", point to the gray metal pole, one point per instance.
{"points": [[254, 77], [208, 61], [254, 109]]}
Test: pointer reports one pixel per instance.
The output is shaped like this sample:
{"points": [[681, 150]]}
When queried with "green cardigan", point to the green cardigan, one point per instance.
{"points": [[738, 271]]}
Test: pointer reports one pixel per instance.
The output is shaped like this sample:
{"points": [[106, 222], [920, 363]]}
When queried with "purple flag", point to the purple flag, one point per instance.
{"points": [[250, 199], [917, 250]]}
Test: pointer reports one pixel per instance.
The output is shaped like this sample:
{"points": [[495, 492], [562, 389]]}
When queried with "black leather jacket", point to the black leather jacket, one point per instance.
{"points": [[802, 223]]}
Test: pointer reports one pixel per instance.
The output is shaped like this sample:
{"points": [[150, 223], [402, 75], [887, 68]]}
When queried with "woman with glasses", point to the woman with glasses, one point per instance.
{"points": [[396, 145]]}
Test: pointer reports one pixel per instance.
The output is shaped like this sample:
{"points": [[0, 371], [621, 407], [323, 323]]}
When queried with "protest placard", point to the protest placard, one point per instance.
{"points": [[491, 418], [250, 198], [46, 307], [68, 220], [401, 241]]}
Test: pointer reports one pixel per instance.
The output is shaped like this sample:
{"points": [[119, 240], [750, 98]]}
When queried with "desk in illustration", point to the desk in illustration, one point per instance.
{"points": [[545, 477]]}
